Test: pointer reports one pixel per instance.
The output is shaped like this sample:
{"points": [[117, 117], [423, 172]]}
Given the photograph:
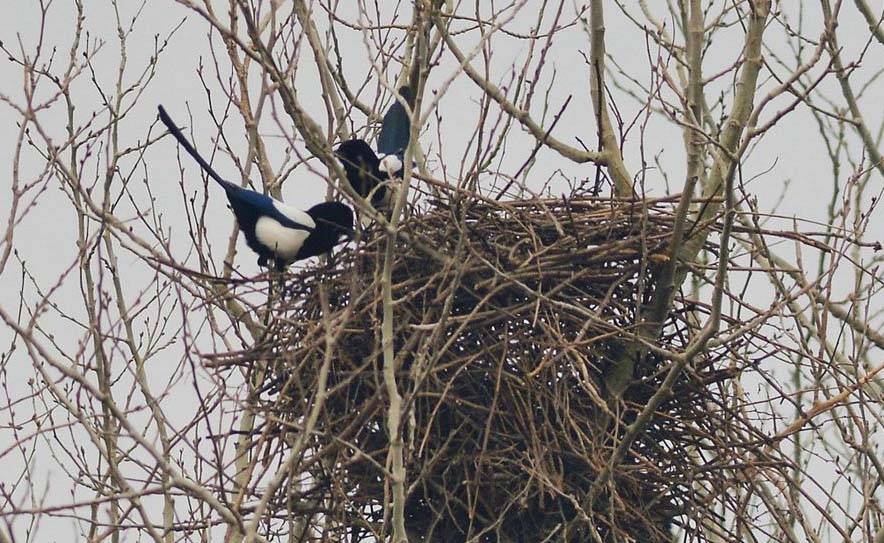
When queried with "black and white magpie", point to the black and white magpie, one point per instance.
{"points": [[276, 231], [366, 171]]}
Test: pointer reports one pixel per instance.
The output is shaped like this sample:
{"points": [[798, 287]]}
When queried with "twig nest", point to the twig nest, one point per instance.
{"points": [[506, 318]]}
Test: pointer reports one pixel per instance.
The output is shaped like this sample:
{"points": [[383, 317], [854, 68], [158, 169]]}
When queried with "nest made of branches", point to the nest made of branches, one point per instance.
{"points": [[508, 316]]}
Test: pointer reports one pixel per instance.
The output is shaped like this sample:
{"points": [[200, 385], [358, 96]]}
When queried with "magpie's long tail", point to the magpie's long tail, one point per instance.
{"points": [[396, 126], [190, 149]]}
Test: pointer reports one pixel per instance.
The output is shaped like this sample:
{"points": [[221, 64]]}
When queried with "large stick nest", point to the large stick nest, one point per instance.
{"points": [[502, 349]]}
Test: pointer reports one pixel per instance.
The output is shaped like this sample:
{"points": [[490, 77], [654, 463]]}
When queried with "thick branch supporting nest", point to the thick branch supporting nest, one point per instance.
{"points": [[502, 353]]}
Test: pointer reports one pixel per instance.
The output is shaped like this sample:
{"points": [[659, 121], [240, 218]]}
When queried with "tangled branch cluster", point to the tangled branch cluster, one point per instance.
{"points": [[502, 344]]}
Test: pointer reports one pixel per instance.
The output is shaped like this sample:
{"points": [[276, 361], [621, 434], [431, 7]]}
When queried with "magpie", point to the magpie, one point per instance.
{"points": [[276, 231], [366, 171]]}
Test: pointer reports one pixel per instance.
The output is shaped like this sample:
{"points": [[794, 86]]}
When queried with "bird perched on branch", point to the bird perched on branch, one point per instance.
{"points": [[276, 231], [367, 171]]}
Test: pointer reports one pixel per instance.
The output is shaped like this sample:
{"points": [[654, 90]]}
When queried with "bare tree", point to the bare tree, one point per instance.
{"points": [[596, 310]]}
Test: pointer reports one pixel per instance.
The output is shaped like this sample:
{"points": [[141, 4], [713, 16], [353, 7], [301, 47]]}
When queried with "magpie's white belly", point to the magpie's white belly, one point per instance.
{"points": [[390, 164], [283, 241]]}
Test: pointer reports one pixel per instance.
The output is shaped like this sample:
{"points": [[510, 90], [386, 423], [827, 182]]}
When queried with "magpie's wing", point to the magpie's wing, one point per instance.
{"points": [[395, 128], [293, 217], [191, 150]]}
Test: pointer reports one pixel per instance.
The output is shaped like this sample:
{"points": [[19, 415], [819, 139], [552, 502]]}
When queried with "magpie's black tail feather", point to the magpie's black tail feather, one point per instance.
{"points": [[191, 150], [396, 126]]}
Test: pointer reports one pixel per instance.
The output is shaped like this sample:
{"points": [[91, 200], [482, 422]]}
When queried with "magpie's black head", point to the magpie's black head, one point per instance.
{"points": [[361, 166], [407, 95], [335, 216], [334, 220], [356, 154]]}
